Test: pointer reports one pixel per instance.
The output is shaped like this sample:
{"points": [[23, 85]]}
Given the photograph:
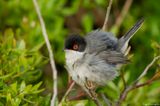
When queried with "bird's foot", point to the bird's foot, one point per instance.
{"points": [[91, 89]]}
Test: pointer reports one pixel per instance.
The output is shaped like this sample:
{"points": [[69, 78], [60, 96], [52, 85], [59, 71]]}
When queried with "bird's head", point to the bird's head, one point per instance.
{"points": [[74, 48]]}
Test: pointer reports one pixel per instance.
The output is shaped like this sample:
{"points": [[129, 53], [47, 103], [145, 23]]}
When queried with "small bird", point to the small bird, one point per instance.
{"points": [[92, 60]]}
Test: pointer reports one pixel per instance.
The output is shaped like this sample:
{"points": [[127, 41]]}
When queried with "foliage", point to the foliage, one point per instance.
{"points": [[20, 69], [24, 57]]}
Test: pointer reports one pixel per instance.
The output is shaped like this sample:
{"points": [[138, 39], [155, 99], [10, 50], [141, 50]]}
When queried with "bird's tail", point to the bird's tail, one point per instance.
{"points": [[123, 41]]}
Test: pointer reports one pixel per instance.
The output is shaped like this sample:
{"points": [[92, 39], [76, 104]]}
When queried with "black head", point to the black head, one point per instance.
{"points": [[76, 43]]}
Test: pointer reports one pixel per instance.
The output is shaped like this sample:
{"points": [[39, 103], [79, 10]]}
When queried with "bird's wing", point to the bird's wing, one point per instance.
{"points": [[100, 68], [98, 41], [112, 57]]}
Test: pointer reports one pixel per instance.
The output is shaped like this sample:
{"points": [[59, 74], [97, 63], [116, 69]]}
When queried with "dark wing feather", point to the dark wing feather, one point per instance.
{"points": [[113, 57], [123, 41]]}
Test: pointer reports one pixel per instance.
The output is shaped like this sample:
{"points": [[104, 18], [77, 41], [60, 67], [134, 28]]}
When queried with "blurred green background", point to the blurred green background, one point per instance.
{"points": [[25, 74]]}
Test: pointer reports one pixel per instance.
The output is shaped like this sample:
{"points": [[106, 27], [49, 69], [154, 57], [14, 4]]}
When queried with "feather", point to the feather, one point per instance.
{"points": [[123, 41], [113, 57], [98, 41]]}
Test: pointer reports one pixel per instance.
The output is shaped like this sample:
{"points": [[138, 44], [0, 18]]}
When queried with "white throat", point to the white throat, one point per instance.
{"points": [[72, 56]]}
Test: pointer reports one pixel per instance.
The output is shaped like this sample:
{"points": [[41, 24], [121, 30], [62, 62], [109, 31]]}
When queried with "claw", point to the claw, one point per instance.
{"points": [[90, 85]]}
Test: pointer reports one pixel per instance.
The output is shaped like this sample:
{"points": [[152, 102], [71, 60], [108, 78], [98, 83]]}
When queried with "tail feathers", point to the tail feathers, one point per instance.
{"points": [[123, 41]]}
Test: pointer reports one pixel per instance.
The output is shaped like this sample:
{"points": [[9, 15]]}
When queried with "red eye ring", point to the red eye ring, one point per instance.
{"points": [[75, 47]]}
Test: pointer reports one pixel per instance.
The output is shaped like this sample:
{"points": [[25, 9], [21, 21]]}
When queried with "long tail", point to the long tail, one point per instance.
{"points": [[123, 41]]}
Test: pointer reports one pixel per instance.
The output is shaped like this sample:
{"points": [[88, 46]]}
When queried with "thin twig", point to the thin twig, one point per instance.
{"points": [[52, 62], [130, 88], [123, 95], [156, 76], [81, 94], [141, 85], [106, 100], [123, 79], [107, 16], [92, 93], [147, 67], [69, 89], [96, 101], [67, 92], [123, 13], [135, 85]]}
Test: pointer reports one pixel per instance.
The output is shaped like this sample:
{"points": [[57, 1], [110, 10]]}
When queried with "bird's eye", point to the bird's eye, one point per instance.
{"points": [[75, 47]]}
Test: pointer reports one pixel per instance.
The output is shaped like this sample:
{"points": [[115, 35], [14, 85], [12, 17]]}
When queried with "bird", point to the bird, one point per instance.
{"points": [[93, 60]]}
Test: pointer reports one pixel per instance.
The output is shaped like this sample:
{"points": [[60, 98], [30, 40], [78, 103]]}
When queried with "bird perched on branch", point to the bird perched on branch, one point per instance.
{"points": [[92, 60]]}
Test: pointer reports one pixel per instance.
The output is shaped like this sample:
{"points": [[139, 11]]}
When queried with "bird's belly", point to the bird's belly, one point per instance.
{"points": [[97, 74], [78, 73], [79, 76]]}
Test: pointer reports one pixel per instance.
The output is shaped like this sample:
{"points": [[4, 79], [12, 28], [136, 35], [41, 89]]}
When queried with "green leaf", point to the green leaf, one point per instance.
{"points": [[17, 101], [38, 91], [9, 38], [37, 47], [35, 87], [9, 32], [21, 45], [72, 9], [28, 89], [9, 98], [14, 87], [23, 86], [7, 76]]}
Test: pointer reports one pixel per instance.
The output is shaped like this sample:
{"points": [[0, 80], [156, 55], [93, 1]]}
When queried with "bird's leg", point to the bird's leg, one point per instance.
{"points": [[90, 86]]}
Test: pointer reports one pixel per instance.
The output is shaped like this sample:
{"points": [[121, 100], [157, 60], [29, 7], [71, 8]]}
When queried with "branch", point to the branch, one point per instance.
{"points": [[106, 100], [147, 67], [123, 79], [66, 94], [96, 101], [126, 90], [52, 62], [141, 85], [123, 96], [107, 16], [155, 77], [123, 13]]}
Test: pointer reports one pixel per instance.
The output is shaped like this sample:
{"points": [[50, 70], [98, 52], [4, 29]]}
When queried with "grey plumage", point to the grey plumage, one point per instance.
{"points": [[102, 55], [123, 41], [99, 41]]}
